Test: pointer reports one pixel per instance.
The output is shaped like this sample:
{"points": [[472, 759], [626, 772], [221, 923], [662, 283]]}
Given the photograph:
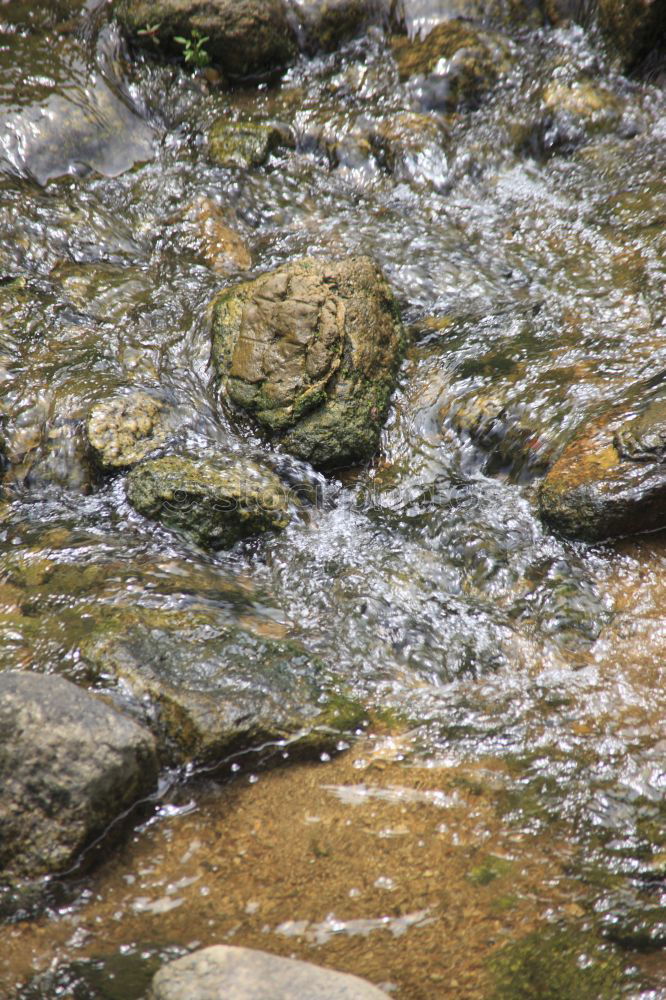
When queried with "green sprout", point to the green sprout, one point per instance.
{"points": [[150, 31], [194, 51]]}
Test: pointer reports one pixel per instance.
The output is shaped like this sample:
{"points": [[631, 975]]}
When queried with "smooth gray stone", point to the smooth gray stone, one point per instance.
{"points": [[69, 766], [226, 973]]}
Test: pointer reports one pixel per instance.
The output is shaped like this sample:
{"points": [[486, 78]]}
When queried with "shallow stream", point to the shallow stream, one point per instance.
{"points": [[510, 775]]}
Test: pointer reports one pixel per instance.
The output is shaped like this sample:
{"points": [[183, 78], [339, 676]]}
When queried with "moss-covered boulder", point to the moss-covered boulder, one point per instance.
{"points": [[211, 688], [69, 766], [217, 505], [454, 66], [312, 351], [611, 479], [243, 144], [244, 37], [323, 25], [122, 432]]}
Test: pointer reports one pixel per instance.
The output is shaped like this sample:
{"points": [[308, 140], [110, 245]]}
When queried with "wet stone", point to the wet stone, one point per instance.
{"points": [[219, 246], [312, 351], [216, 505], [607, 482], [644, 438], [96, 131], [453, 67], [412, 147], [69, 766], [246, 974], [122, 432], [244, 37], [243, 144], [211, 688], [323, 25]]}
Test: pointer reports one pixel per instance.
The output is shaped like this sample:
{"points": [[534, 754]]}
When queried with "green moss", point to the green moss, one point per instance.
{"points": [[556, 964], [490, 869], [216, 506], [247, 144]]}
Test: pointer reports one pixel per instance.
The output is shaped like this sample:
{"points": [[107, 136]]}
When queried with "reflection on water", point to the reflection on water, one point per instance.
{"points": [[529, 264]]}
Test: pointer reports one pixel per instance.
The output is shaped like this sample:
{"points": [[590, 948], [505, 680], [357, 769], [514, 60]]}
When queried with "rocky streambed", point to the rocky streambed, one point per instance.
{"points": [[332, 445]]}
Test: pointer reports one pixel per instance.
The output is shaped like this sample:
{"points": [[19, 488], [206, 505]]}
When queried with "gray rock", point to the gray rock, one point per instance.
{"points": [[245, 974], [312, 351], [123, 431], [244, 37], [69, 766], [217, 506], [643, 439], [93, 130]]}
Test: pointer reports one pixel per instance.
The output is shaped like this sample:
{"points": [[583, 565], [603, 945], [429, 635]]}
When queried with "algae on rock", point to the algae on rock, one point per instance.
{"points": [[312, 351], [243, 144], [216, 504]]}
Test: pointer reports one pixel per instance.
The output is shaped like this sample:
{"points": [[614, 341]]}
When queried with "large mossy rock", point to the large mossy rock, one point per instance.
{"points": [[215, 505], [212, 688], [69, 766], [247, 974], [611, 479], [312, 351], [454, 66], [244, 37]]}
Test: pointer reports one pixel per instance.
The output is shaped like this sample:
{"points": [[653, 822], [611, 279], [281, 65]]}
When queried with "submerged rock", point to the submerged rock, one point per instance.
{"points": [[323, 25], [122, 432], [632, 28], [576, 112], [247, 974], [243, 144], [643, 439], [216, 688], [611, 479], [217, 506], [69, 766], [94, 130], [218, 245], [243, 37], [412, 147], [555, 962], [312, 351], [453, 67]]}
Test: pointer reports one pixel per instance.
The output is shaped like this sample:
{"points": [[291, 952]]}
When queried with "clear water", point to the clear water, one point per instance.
{"points": [[529, 266]]}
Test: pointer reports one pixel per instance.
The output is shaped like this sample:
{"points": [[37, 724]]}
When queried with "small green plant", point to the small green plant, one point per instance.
{"points": [[150, 31], [194, 51]]}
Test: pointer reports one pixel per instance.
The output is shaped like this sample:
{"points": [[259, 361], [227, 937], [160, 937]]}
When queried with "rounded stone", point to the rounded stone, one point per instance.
{"points": [[217, 506], [312, 351], [123, 431], [69, 766], [248, 974]]}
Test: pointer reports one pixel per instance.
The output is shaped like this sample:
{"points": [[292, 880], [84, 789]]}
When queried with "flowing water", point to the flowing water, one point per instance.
{"points": [[516, 675]]}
